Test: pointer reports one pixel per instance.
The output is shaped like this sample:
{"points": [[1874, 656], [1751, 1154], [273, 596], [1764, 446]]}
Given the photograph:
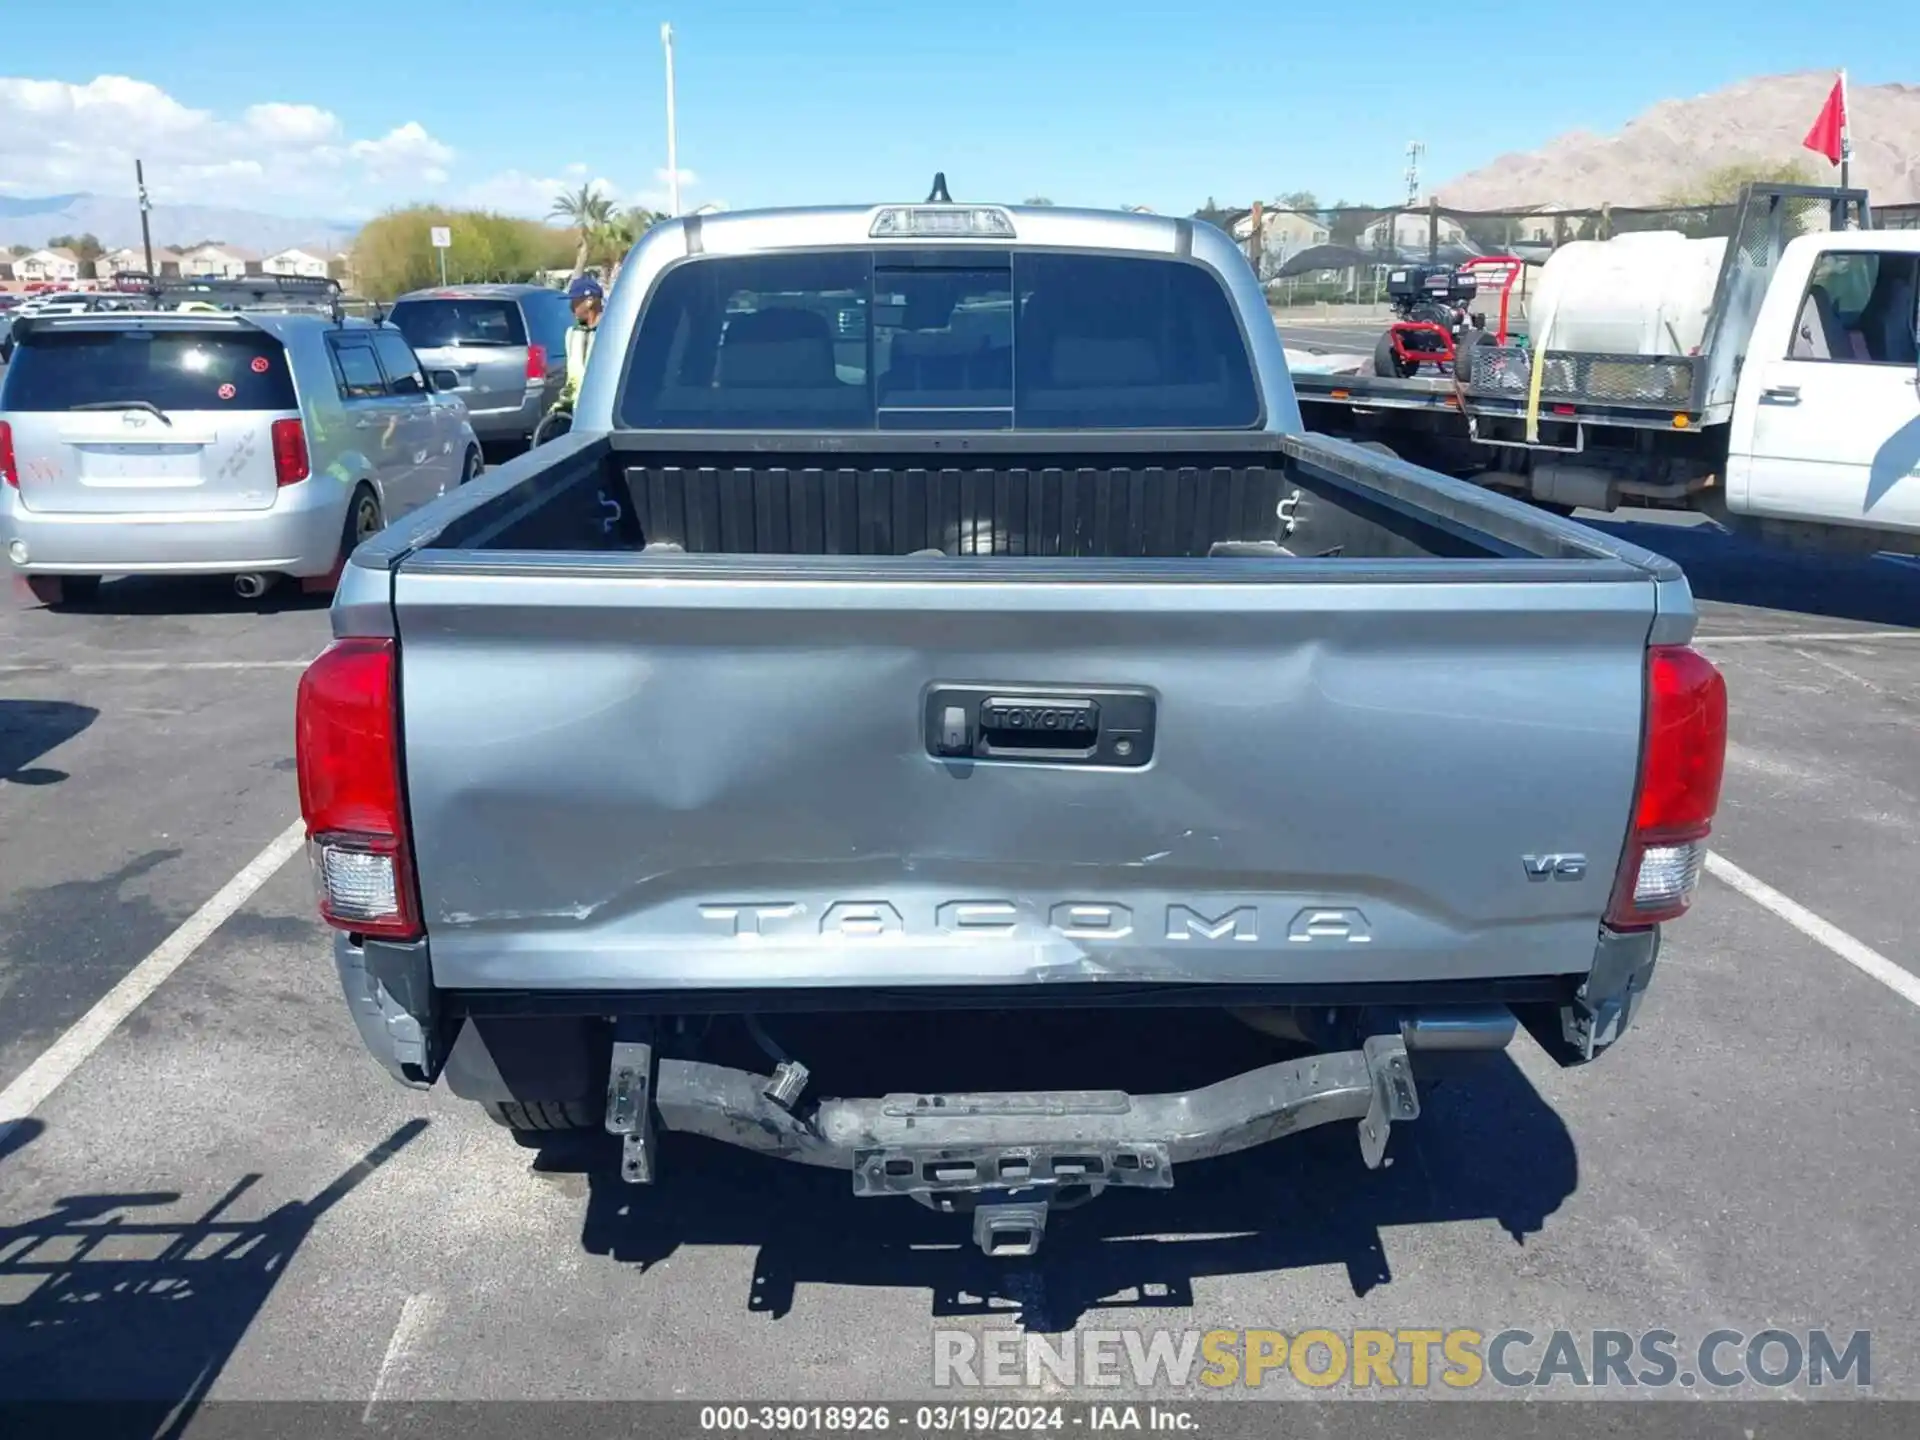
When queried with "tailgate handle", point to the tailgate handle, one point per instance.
{"points": [[1084, 727], [1037, 722]]}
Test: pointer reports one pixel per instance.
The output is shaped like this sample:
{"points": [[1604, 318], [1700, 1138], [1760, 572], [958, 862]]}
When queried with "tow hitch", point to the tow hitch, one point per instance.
{"points": [[1010, 1158]]}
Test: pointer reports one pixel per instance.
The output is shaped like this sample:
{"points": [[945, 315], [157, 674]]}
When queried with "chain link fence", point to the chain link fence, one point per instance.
{"points": [[1325, 260]]}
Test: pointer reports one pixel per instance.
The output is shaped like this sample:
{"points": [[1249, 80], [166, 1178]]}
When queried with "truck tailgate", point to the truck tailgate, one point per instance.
{"points": [[626, 774]]}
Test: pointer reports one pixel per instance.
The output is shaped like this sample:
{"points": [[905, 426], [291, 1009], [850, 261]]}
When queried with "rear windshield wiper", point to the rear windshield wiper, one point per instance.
{"points": [[146, 405]]}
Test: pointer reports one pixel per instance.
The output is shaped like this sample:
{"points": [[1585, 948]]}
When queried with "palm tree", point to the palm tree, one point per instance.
{"points": [[587, 211], [622, 232]]}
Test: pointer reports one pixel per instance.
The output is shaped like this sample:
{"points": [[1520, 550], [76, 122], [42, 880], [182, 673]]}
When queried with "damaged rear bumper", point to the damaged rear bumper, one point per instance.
{"points": [[916, 1144], [1008, 1157]]}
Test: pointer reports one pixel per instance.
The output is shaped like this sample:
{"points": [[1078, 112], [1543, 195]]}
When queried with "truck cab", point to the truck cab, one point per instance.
{"points": [[1826, 416]]}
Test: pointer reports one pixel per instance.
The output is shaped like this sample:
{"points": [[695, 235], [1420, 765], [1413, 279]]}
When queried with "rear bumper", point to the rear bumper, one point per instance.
{"points": [[911, 1144], [545, 1045], [299, 535], [510, 422]]}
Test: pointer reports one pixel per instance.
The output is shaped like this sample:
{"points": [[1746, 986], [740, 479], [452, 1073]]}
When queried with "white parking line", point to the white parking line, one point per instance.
{"points": [[87, 1034], [1774, 637], [1862, 957], [100, 667], [416, 1315]]}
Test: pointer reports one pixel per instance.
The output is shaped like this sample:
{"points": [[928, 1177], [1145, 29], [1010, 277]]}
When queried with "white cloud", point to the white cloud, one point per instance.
{"points": [[293, 124], [516, 192], [406, 150], [57, 136]]}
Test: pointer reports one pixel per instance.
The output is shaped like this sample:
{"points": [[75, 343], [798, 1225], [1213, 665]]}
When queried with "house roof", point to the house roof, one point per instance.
{"points": [[235, 252], [59, 252]]}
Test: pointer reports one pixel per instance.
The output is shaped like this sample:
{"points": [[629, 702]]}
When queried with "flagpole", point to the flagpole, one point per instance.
{"points": [[1846, 132]]}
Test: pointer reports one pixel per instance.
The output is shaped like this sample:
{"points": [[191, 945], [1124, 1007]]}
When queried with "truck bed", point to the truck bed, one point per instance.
{"points": [[675, 715]]}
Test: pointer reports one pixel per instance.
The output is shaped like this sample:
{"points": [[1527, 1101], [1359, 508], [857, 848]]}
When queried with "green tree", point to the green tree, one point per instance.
{"points": [[87, 248], [1036, 200], [588, 211], [1215, 214], [393, 253], [621, 233], [1722, 186], [1305, 201]]}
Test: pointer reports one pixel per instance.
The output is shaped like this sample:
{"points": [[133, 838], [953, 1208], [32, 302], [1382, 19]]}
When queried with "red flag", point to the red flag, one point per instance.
{"points": [[1829, 130]]}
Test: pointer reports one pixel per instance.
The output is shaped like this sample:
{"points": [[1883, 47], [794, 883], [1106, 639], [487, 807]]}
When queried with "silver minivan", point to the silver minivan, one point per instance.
{"points": [[507, 344], [251, 444]]}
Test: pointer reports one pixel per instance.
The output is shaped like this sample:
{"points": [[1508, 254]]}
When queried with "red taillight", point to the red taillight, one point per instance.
{"points": [[1683, 753], [9, 472], [290, 462], [347, 751], [536, 362]]}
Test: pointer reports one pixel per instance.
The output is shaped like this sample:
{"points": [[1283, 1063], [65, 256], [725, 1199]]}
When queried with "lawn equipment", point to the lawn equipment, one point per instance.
{"points": [[1435, 325]]}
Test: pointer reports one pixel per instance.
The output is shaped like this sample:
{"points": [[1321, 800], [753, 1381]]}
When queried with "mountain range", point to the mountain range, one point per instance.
{"points": [[114, 221], [1673, 144]]}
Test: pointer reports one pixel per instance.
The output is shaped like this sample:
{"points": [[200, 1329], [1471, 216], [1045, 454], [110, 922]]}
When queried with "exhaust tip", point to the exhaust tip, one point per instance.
{"points": [[252, 586]]}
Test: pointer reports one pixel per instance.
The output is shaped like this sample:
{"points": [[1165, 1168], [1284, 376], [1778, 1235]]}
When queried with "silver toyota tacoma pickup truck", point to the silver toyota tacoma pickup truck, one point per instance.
{"points": [[939, 610]]}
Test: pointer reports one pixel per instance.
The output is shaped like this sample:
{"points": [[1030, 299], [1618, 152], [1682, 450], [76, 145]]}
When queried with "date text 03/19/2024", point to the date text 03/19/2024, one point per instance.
{"points": [[942, 1419]]}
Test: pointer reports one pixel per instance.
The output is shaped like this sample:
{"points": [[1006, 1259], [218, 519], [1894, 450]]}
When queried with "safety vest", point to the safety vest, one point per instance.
{"points": [[579, 347]]}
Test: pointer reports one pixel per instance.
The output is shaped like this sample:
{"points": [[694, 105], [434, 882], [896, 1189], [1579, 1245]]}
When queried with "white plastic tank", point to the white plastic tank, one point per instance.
{"points": [[1643, 293]]}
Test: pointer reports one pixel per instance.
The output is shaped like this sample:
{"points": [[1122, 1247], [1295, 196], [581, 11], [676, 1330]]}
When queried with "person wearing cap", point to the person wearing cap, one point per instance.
{"points": [[588, 301]]}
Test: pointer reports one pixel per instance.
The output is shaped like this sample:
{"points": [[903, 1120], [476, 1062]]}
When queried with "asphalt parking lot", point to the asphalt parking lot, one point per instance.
{"points": [[1348, 338], [226, 1198]]}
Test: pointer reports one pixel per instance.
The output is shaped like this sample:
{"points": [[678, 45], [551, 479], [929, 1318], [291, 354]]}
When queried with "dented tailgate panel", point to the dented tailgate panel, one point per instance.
{"points": [[644, 780]]}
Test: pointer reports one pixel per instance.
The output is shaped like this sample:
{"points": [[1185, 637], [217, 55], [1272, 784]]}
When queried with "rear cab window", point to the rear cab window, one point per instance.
{"points": [[59, 369], [896, 339], [437, 323]]}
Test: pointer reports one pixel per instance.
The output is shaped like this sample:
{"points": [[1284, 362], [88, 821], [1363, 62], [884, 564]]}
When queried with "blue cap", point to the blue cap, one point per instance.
{"points": [[585, 287]]}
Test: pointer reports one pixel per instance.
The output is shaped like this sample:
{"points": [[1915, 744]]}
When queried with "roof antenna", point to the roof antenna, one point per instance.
{"points": [[939, 195]]}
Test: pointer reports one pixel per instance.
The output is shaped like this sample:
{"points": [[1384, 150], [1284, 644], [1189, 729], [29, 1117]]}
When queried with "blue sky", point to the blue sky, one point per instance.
{"points": [[365, 104]]}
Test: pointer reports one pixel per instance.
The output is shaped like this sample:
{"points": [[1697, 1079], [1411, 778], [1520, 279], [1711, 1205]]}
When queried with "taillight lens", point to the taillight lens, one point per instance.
{"points": [[537, 362], [347, 751], [9, 472], [290, 462], [1683, 753]]}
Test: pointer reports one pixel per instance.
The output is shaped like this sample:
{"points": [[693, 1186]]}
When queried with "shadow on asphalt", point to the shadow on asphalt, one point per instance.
{"points": [[1734, 571], [191, 595], [31, 728], [139, 1315], [1486, 1147]]}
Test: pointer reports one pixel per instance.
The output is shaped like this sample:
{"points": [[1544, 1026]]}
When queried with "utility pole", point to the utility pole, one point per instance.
{"points": [[146, 231], [673, 157], [1414, 151]]}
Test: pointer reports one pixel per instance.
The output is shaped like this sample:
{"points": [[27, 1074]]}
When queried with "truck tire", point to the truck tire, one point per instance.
{"points": [[537, 1118]]}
